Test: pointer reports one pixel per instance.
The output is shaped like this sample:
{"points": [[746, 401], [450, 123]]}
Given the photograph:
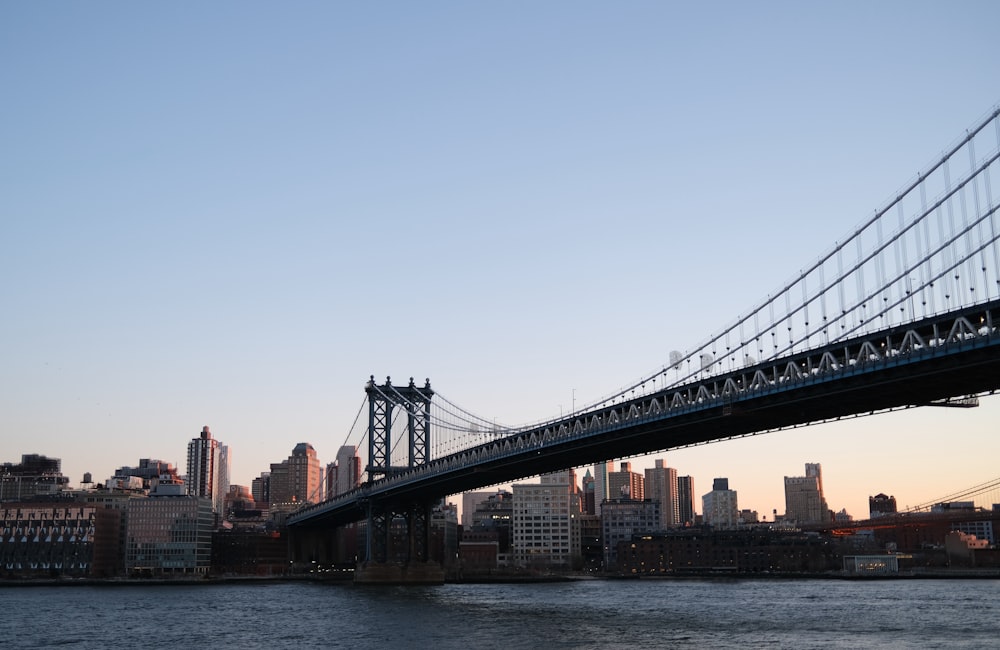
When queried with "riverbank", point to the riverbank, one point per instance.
{"points": [[924, 574]]}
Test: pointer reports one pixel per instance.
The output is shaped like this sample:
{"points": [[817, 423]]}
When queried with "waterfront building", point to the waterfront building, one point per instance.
{"points": [[623, 518], [169, 532], [444, 534], [625, 484], [247, 551], [542, 521], [45, 540], [591, 541], [479, 552], [486, 539], [661, 485], [720, 507], [208, 470], [871, 565], [685, 501], [35, 475], [756, 550], [118, 500], [804, 501]]}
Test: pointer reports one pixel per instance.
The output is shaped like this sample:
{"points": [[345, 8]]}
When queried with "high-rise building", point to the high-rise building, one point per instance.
{"points": [[720, 507], [622, 518], [685, 500], [625, 484], [542, 523], [296, 479], [208, 470], [34, 475], [601, 492], [260, 489], [881, 505], [587, 489], [804, 501], [470, 503], [661, 486], [344, 474]]}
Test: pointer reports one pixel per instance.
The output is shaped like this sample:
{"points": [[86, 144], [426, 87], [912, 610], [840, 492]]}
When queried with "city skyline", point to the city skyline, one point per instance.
{"points": [[463, 500], [216, 233]]}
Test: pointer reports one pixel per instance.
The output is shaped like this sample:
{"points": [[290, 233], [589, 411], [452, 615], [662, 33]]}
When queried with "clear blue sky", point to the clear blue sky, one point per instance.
{"points": [[232, 213]]}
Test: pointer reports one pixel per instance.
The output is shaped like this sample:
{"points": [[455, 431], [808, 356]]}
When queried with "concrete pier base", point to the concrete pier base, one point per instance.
{"points": [[416, 573]]}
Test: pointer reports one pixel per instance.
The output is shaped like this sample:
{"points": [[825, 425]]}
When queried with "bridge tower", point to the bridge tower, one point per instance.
{"points": [[413, 565]]}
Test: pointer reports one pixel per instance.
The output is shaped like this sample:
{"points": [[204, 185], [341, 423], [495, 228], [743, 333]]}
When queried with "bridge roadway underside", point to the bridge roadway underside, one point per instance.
{"points": [[968, 373], [974, 371]]}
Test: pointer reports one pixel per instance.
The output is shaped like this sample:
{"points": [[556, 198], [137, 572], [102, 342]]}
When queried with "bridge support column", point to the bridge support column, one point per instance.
{"points": [[397, 550], [399, 545]]}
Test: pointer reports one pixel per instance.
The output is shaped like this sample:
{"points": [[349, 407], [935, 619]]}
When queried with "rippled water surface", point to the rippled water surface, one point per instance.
{"points": [[592, 614]]}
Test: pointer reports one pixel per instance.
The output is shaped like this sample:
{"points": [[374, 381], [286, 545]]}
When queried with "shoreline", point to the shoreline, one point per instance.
{"points": [[498, 579]]}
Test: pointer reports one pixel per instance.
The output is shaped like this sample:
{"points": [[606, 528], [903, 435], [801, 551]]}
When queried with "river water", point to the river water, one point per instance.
{"points": [[687, 613]]}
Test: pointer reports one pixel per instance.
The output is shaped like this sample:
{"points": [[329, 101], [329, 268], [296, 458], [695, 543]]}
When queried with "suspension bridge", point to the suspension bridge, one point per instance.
{"points": [[903, 312]]}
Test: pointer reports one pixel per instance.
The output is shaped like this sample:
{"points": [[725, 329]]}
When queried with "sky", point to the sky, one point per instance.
{"points": [[233, 213]]}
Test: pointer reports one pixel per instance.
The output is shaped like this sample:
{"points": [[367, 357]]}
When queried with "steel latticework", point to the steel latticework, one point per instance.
{"points": [[383, 514]]}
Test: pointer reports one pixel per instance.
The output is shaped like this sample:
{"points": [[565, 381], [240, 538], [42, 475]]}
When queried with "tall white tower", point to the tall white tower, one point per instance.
{"points": [[208, 469]]}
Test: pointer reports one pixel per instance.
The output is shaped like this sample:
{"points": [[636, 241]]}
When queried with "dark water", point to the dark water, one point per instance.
{"points": [[587, 614]]}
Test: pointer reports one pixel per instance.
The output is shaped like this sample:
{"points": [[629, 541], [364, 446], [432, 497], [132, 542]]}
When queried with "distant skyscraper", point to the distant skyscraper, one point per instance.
{"points": [[815, 469], [260, 488], [208, 470], [296, 480], [601, 492], [720, 507], [625, 483], [685, 500], [344, 474], [470, 502], [661, 486], [881, 505], [804, 501], [588, 506]]}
